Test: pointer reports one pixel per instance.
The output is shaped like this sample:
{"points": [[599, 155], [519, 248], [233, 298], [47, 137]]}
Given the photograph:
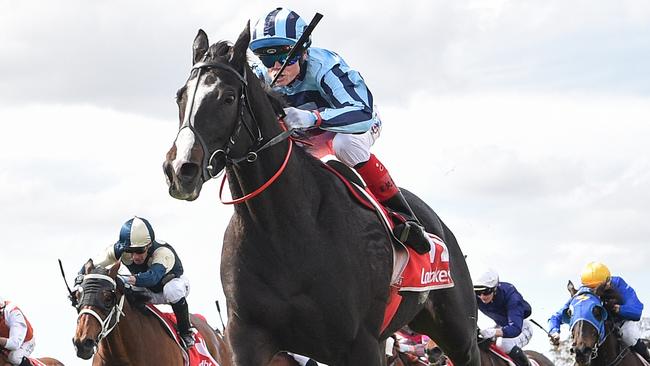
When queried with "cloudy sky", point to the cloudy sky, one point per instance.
{"points": [[524, 124]]}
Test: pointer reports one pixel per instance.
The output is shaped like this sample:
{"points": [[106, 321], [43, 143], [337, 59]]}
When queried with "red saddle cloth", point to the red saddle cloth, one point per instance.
{"points": [[197, 355]]}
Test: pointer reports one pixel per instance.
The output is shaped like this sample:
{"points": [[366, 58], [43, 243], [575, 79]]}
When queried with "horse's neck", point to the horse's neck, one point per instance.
{"points": [[296, 187], [610, 349], [121, 346]]}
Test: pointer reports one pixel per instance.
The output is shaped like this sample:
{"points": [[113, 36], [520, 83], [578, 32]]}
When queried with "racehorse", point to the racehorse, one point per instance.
{"points": [[594, 333], [489, 357], [139, 340], [304, 268], [47, 361]]}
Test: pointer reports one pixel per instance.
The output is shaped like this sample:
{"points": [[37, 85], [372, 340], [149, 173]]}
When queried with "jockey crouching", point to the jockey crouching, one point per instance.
{"points": [[16, 334], [501, 302], [155, 267], [325, 94], [626, 314]]}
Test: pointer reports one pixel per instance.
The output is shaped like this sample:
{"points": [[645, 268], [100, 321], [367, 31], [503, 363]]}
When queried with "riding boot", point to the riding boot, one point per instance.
{"points": [[518, 356], [380, 183], [641, 348], [183, 322], [25, 362]]}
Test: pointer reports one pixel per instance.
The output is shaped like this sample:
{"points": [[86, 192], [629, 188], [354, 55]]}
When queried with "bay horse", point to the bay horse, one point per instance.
{"points": [[593, 331], [47, 361], [139, 339], [304, 267]]}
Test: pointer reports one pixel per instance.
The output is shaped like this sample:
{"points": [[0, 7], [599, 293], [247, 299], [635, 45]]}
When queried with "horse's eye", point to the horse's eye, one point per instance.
{"points": [[230, 99]]}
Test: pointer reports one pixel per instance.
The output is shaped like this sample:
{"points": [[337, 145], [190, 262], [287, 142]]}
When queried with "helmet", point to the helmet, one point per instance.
{"points": [[280, 27], [594, 274], [485, 278], [136, 233]]}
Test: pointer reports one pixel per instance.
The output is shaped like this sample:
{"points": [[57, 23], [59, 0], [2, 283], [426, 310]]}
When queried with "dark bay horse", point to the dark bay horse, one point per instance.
{"points": [[594, 334], [304, 267], [122, 334], [48, 361]]}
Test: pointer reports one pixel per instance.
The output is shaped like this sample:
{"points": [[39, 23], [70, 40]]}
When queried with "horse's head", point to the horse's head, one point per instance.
{"points": [[586, 316], [216, 121], [100, 307]]}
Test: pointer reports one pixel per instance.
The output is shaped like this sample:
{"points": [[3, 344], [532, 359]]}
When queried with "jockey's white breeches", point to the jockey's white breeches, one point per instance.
{"points": [[26, 349], [506, 344], [352, 149], [630, 332], [173, 291]]}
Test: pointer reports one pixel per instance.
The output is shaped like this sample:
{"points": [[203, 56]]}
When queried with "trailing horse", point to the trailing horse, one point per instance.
{"points": [[47, 361], [594, 333], [304, 267], [139, 339]]}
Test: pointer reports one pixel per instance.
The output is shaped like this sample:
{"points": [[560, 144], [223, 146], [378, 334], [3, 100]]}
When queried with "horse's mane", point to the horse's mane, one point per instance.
{"points": [[609, 296]]}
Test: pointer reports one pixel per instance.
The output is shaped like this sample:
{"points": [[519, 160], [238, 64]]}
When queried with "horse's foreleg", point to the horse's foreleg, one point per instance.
{"points": [[454, 330], [250, 346], [364, 350]]}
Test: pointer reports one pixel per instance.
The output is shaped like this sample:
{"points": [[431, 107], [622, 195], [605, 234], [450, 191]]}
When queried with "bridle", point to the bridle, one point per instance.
{"points": [[254, 131], [89, 298]]}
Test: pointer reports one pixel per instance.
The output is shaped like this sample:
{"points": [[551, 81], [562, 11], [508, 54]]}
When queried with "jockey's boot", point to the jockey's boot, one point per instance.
{"points": [[641, 348], [183, 322], [25, 362], [518, 356], [380, 183]]}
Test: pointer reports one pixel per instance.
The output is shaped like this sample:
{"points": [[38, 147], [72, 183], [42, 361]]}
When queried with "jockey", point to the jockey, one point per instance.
{"points": [[16, 334], [325, 94], [155, 266], [501, 302], [626, 314]]}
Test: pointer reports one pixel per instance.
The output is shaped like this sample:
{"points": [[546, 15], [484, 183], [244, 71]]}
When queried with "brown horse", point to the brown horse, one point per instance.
{"points": [[139, 340], [48, 361], [593, 332]]}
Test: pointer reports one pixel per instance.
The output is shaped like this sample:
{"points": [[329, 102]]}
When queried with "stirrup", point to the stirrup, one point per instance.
{"points": [[412, 234], [188, 340]]}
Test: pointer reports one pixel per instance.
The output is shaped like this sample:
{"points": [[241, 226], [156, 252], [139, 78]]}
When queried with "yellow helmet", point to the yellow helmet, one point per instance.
{"points": [[594, 274]]}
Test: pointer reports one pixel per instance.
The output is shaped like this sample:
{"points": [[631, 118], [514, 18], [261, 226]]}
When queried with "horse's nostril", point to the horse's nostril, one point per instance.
{"points": [[189, 170], [88, 343]]}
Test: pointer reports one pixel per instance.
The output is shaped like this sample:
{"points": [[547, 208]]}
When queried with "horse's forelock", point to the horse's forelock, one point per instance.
{"points": [[219, 51]]}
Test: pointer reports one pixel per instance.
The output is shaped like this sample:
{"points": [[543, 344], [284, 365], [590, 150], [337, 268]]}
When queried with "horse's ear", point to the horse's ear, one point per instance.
{"points": [[89, 266], [113, 271], [238, 56], [571, 288], [200, 46]]}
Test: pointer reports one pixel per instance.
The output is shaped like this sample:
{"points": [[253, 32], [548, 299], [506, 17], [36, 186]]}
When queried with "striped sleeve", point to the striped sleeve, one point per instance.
{"points": [[351, 101]]}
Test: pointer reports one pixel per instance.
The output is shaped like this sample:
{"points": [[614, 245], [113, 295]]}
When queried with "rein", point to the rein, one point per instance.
{"points": [[114, 314]]}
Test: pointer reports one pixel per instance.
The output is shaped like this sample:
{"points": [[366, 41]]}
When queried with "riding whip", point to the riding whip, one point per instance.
{"points": [[219, 312], [542, 328], [73, 298], [299, 46]]}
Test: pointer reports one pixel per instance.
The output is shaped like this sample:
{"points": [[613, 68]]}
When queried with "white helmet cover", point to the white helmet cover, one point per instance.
{"points": [[485, 278]]}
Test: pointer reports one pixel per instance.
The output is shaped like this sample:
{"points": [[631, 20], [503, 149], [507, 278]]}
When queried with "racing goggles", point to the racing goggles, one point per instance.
{"points": [[137, 250], [270, 55], [484, 291]]}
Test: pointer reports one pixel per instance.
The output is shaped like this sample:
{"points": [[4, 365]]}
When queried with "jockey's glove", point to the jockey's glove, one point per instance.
{"points": [[488, 333], [298, 118], [554, 338], [78, 280]]}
